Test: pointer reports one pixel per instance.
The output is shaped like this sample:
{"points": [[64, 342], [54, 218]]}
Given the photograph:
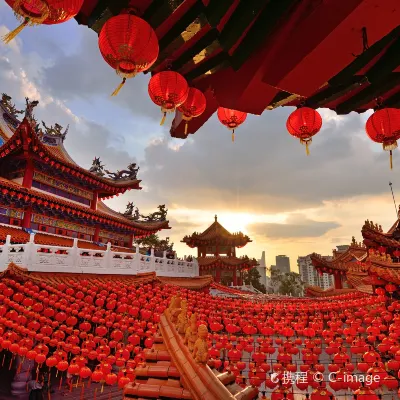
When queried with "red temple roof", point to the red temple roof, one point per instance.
{"points": [[216, 234], [56, 156], [211, 262], [335, 54]]}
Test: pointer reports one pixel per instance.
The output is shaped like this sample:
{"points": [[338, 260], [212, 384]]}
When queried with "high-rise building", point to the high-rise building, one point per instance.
{"points": [[262, 269], [282, 264], [310, 276]]}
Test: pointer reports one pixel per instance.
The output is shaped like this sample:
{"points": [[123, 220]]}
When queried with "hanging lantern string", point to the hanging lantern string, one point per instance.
{"points": [[119, 87], [391, 159], [233, 135]]}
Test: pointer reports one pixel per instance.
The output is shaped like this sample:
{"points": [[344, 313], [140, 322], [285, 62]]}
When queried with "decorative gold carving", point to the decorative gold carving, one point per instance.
{"points": [[200, 349], [182, 318], [174, 309], [191, 333]]}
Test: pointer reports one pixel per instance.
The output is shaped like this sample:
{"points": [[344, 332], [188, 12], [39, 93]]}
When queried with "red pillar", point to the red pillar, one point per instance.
{"points": [[93, 203], [234, 277], [96, 234], [338, 281], [26, 222], [218, 275], [28, 176]]}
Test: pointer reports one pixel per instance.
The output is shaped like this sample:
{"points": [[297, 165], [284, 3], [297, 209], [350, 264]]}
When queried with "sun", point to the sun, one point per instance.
{"points": [[235, 222]]}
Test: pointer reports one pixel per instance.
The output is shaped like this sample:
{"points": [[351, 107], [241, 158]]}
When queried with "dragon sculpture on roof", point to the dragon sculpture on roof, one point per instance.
{"points": [[128, 174]]}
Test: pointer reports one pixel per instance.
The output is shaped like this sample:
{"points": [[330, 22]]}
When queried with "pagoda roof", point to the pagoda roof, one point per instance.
{"points": [[374, 236], [340, 55], [104, 214], [20, 136], [214, 234], [341, 261], [195, 283], [316, 291], [212, 261]]}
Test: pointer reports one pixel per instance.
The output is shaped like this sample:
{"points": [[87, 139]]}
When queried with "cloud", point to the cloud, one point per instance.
{"points": [[296, 226]]}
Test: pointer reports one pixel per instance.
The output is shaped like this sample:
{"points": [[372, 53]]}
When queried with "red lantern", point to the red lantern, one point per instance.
{"points": [[231, 119], [383, 126], [37, 12], [168, 89], [129, 45], [194, 106], [303, 124]]}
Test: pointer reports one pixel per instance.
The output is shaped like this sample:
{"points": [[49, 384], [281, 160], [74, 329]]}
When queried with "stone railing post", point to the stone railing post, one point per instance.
{"points": [[137, 259], [152, 260], [29, 251], [108, 256], [74, 252], [4, 254]]}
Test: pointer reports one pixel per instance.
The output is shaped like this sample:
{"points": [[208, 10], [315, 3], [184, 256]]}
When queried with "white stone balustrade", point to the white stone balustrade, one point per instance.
{"points": [[42, 258]]}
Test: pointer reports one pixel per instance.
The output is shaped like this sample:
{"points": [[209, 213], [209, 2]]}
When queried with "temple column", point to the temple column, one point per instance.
{"points": [[218, 275], [96, 234], [338, 281], [26, 222], [28, 175], [234, 277], [131, 238], [93, 203]]}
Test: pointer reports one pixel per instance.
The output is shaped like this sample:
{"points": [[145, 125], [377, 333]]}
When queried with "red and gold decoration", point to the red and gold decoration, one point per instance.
{"points": [[169, 90], [231, 119], [194, 106], [303, 124], [37, 12], [129, 45], [383, 126]]}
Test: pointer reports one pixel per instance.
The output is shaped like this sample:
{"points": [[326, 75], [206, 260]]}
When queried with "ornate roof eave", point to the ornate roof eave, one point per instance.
{"points": [[16, 190], [25, 139], [315, 291], [371, 235], [243, 262]]}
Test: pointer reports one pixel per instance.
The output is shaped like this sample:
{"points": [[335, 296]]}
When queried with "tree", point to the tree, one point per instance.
{"points": [[155, 242], [289, 283], [252, 277]]}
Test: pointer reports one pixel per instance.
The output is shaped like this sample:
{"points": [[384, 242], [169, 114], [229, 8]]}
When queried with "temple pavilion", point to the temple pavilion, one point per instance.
{"points": [[43, 191], [216, 254]]}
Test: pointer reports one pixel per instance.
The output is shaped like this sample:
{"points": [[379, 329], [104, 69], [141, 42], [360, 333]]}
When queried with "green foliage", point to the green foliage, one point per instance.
{"points": [[155, 242], [288, 284], [252, 277]]}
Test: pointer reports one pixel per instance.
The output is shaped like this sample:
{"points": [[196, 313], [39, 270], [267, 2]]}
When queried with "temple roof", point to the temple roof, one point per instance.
{"points": [[22, 194], [212, 261], [374, 236], [216, 234], [50, 150], [340, 55], [316, 291], [341, 261]]}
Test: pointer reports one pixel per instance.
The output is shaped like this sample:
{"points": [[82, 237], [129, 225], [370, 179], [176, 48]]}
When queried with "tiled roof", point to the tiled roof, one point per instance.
{"points": [[195, 283], [145, 226], [226, 261], [315, 291], [19, 236], [216, 232]]}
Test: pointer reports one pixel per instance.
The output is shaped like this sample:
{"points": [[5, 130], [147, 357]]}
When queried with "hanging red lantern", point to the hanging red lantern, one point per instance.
{"points": [[303, 124], [37, 12], [383, 126], [193, 107], [129, 45], [231, 118], [169, 90]]}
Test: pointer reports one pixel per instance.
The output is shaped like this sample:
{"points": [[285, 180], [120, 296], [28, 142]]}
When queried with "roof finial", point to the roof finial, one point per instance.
{"points": [[216, 218]]}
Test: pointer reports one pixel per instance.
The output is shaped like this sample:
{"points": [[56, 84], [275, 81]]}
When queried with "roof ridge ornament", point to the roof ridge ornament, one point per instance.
{"points": [[130, 173], [55, 131], [8, 106], [97, 167]]}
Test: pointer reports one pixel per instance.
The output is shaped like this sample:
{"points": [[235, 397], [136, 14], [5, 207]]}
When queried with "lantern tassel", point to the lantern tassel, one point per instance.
{"points": [[307, 149], [11, 35], [119, 87], [186, 128], [233, 136], [391, 159], [163, 118]]}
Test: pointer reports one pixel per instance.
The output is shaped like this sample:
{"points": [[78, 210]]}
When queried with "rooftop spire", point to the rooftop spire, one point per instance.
{"points": [[216, 218]]}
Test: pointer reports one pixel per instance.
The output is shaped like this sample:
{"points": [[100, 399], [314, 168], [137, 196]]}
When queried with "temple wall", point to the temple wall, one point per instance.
{"points": [[40, 258]]}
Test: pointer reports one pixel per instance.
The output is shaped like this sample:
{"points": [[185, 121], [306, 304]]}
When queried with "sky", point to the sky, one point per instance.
{"points": [[263, 184]]}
